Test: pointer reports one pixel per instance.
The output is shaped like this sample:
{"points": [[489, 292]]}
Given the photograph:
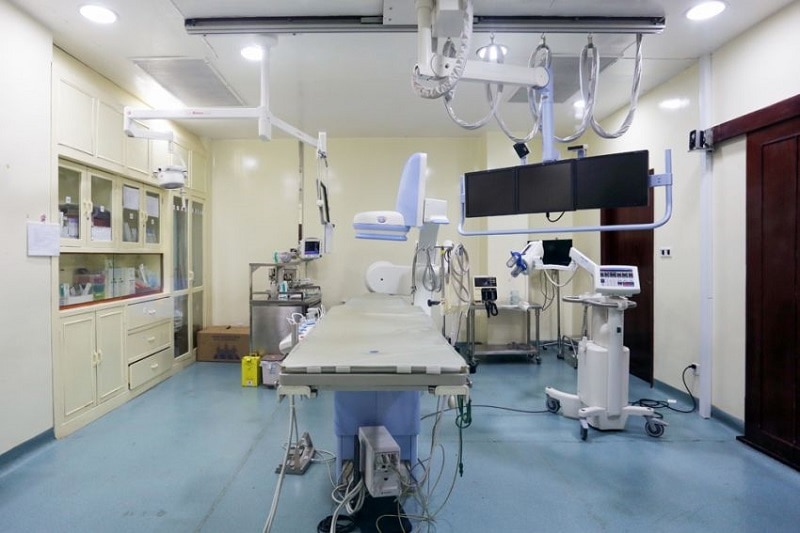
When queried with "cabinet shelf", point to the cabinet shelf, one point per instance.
{"points": [[90, 278]]}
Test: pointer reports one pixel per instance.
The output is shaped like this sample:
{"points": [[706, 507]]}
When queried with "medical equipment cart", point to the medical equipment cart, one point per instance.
{"points": [[276, 292], [529, 348]]}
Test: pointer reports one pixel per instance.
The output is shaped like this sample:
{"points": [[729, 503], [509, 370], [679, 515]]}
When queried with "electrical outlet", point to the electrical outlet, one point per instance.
{"points": [[665, 252], [696, 369]]}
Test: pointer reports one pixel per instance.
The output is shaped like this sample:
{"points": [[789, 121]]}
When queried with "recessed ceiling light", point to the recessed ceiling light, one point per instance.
{"points": [[253, 53], [98, 14], [672, 104], [706, 10]]}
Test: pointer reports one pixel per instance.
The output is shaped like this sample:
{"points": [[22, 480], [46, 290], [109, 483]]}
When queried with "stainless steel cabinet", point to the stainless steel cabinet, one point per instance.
{"points": [[276, 292]]}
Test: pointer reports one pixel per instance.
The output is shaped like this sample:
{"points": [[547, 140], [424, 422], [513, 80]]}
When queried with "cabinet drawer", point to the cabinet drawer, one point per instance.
{"points": [[148, 340], [149, 368], [145, 313]]}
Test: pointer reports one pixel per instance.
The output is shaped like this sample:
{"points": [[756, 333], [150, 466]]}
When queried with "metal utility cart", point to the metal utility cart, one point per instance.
{"points": [[277, 291], [529, 348]]}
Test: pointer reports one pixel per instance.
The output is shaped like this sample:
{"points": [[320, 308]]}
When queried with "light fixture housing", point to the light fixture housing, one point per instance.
{"points": [[171, 177], [98, 14], [706, 10], [492, 52]]}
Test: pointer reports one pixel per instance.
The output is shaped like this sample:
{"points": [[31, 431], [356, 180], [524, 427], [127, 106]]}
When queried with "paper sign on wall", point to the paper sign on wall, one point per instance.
{"points": [[43, 239]]}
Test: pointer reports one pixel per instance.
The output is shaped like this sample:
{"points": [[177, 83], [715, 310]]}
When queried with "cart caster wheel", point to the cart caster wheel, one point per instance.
{"points": [[653, 429], [584, 433], [553, 405]]}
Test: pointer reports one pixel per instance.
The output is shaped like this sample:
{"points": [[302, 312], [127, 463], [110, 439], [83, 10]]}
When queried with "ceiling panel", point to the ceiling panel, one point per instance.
{"points": [[359, 84]]}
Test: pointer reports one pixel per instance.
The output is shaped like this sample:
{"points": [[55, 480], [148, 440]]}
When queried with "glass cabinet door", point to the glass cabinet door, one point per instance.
{"points": [[180, 246], [100, 228], [69, 203], [131, 207], [152, 201], [197, 315], [181, 325], [197, 244]]}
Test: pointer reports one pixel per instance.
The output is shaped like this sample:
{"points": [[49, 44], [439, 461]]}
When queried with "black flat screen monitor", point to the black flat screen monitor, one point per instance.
{"points": [[615, 180], [556, 252], [546, 187], [490, 193]]}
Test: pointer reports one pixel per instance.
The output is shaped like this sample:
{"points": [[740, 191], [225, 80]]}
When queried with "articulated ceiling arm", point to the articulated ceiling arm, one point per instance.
{"points": [[261, 113]]}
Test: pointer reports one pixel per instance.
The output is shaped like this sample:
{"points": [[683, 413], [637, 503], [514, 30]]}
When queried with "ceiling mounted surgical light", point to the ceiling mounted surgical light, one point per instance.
{"points": [[706, 10], [492, 52], [98, 14]]}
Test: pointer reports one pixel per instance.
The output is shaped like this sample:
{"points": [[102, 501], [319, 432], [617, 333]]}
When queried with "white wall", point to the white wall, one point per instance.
{"points": [[754, 70], [677, 279], [255, 208], [26, 385]]}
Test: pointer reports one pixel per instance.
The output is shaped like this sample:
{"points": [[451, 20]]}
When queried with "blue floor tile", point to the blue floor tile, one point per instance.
{"points": [[198, 452]]}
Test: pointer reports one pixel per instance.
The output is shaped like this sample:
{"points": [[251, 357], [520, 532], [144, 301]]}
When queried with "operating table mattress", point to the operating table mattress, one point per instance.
{"points": [[374, 342]]}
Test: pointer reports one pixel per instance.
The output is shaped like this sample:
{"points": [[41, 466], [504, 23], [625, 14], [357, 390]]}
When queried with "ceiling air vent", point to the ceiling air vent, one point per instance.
{"points": [[192, 81]]}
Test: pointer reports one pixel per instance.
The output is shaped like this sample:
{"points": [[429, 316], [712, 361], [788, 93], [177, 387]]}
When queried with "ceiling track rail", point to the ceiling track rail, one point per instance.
{"points": [[374, 24]]}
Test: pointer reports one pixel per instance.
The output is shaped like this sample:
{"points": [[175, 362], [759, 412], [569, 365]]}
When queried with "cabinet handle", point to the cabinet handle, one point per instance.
{"points": [[151, 312], [95, 360], [153, 366], [99, 356], [151, 339]]}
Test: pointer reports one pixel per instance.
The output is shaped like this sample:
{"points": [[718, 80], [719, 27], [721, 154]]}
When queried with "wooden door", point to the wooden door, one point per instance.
{"points": [[634, 248], [772, 375]]}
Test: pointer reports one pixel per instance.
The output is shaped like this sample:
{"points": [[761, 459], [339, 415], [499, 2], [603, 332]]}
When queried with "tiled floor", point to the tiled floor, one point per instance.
{"points": [[198, 453]]}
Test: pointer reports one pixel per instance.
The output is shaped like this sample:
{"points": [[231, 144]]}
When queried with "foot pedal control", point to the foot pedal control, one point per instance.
{"points": [[300, 455]]}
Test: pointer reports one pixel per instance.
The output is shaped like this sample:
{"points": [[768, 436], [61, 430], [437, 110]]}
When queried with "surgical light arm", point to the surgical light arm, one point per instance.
{"points": [[261, 113]]}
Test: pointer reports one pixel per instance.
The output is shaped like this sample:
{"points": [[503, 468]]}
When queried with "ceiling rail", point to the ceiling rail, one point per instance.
{"points": [[374, 24]]}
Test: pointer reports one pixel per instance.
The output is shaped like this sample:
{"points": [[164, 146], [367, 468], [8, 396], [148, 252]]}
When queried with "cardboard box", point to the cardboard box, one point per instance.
{"points": [[251, 371], [223, 343]]}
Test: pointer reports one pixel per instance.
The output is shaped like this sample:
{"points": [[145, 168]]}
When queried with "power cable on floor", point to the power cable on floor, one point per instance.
{"points": [[662, 404], [512, 409]]}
